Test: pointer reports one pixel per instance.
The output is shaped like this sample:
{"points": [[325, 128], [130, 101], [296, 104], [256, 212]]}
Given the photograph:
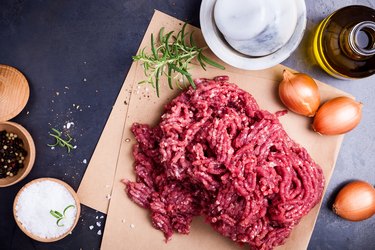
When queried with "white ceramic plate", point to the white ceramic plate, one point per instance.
{"points": [[215, 40]]}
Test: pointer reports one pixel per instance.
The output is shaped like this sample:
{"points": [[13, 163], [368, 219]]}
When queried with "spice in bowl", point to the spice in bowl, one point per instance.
{"points": [[46, 209], [12, 154]]}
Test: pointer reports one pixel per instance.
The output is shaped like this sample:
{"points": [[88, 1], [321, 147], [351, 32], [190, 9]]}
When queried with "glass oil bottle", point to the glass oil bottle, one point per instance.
{"points": [[344, 43]]}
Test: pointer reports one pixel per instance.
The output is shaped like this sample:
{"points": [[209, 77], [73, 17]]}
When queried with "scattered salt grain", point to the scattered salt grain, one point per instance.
{"points": [[84, 161], [35, 203], [127, 140], [84, 79], [123, 220], [99, 232], [98, 223], [101, 217], [69, 124], [132, 226], [91, 227], [97, 217]]}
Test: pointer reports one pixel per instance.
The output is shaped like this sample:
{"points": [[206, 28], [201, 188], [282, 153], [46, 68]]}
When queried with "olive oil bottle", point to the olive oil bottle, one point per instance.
{"points": [[344, 43]]}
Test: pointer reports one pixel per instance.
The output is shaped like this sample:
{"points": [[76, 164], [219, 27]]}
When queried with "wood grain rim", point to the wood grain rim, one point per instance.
{"points": [[70, 190], [29, 146], [14, 92]]}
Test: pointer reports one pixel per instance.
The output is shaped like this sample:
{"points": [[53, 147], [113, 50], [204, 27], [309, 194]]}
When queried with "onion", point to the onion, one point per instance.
{"points": [[355, 201], [337, 116], [299, 93]]}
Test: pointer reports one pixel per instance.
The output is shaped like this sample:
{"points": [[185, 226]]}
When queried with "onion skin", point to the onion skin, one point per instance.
{"points": [[299, 93], [337, 116], [355, 201]]}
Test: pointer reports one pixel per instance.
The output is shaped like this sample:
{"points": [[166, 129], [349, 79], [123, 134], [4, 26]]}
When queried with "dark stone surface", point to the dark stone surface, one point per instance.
{"points": [[82, 51]]}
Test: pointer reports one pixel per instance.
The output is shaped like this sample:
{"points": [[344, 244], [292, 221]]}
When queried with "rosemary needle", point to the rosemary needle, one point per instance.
{"points": [[60, 141], [59, 216], [171, 56]]}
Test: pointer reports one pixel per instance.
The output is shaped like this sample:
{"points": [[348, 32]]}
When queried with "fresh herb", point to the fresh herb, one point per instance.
{"points": [[171, 56], [59, 216], [60, 141]]}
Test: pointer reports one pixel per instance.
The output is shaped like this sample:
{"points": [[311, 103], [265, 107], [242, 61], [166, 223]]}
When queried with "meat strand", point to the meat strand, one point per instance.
{"points": [[216, 154]]}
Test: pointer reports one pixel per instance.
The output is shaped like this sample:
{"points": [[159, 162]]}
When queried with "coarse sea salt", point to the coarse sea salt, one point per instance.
{"points": [[35, 203]]}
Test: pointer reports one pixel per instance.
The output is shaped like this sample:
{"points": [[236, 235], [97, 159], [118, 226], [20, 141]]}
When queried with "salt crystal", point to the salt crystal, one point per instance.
{"points": [[101, 217], [98, 223], [132, 225], [35, 203], [91, 227], [69, 124], [96, 217], [84, 79], [84, 161], [99, 232]]}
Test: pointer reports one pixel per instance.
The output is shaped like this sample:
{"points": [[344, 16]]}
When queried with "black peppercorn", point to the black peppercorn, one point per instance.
{"points": [[12, 154]]}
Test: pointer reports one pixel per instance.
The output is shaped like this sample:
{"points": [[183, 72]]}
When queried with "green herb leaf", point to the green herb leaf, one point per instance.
{"points": [[60, 216], [211, 62], [54, 214], [171, 56], [58, 221], [60, 141], [70, 206]]}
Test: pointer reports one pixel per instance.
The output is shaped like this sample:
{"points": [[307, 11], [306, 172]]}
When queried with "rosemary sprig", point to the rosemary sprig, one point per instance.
{"points": [[59, 216], [60, 141], [171, 56]]}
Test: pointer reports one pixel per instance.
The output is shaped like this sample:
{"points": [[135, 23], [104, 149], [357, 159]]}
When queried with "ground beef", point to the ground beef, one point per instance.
{"points": [[216, 154]]}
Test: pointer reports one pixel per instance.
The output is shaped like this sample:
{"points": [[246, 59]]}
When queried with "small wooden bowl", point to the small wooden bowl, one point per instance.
{"points": [[77, 205], [29, 146], [14, 92]]}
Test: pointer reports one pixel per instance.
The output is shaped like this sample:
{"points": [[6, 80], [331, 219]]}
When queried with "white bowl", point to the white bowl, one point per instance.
{"points": [[222, 49]]}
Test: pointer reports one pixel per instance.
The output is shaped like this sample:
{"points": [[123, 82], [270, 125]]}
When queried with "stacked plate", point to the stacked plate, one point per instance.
{"points": [[253, 34]]}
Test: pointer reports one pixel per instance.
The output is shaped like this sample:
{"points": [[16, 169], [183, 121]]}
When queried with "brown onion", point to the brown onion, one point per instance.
{"points": [[337, 116], [355, 201], [299, 93]]}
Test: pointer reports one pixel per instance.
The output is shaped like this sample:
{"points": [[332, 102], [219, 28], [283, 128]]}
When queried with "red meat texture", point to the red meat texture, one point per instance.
{"points": [[216, 154]]}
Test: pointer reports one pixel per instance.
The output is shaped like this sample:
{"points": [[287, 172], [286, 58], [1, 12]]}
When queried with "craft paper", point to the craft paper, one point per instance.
{"points": [[128, 226]]}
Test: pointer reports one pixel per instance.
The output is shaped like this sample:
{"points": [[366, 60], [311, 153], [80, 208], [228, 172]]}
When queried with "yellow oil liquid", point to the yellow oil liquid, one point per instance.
{"points": [[331, 47]]}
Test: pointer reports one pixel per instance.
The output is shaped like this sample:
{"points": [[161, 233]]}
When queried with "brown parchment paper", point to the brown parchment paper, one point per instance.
{"points": [[128, 226]]}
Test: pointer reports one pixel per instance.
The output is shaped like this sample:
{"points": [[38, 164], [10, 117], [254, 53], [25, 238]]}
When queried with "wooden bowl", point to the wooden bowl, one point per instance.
{"points": [[29, 146], [77, 205], [14, 92]]}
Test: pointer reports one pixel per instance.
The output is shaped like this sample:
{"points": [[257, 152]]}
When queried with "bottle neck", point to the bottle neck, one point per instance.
{"points": [[361, 39]]}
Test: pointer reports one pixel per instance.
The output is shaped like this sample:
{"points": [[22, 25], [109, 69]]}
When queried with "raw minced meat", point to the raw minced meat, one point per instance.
{"points": [[216, 154]]}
